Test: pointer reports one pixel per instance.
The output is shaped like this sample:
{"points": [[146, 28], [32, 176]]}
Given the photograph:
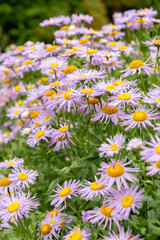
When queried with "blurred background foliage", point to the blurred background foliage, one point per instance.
{"points": [[19, 19]]}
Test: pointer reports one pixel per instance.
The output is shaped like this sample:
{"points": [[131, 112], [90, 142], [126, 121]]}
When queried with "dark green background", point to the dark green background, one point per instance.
{"points": [[19, 19]]}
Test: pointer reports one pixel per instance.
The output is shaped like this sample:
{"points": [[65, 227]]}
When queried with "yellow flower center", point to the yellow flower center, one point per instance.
{"points": [[67, 94], [13, 207], [97, 186], [65, 191], [20, 48], [118, 82], [106, 211], [19, 103], [43, 80], [49, 93], [17, 112], [139, 116], [136, 64], [111, 88], [116, 171], [112, 44], [93, 101], [112, 26], [69, 69], [86, 91], [92, 31], [158, 148], [23, 176], [51, 48], [54, 84], [64, 27], [63, 129], [53, 65], [20, 123], [156, 42], [114, 32], [47, 118], [28, 62], [157, 100], [17, 88], [7, 80], [61, 138], [51, 213], [122, 47], [109, 110], [34, 114], [5, 182], [114, 147], [83, 41], [82, 76], [127, 201], [141, 21], [32, 48], [158, 164], [29, 87], [10, 163], [39, 134], [75, 236], [124, 96], [91, 51], [45, 229]]}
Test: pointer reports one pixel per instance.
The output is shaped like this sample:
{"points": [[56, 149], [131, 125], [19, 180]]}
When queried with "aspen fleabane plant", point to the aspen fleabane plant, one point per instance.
{"points": [[79, 138]]}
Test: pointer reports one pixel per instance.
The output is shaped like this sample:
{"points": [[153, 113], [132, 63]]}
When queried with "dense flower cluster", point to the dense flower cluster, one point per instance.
{"points": [[90, 92]]}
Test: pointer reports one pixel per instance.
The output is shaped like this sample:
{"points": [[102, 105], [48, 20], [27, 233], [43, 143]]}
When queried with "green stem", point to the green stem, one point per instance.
{"points": [[143, 84]]}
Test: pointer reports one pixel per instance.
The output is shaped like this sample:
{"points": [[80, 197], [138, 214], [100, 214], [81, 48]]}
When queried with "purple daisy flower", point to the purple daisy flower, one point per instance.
{"points": [[137, 65], [103, 214], [125, 235], [114, 146], [126, 200], [22, 177], [41, 133], [51, 226], [62, 193], [6, 185], [117, 172], [153, 169], [108, 114], [17, 206], [134, 144], [93, 189], [127, 97], [140, 118], [151, 153], [78, 234], [12, 163]]}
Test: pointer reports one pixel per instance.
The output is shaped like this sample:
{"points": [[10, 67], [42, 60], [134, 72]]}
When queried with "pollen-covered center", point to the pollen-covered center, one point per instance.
{"points": [[5, 182], [10, 163], [45, 229], [75, 236], [93, 101], [67, 94], [82, 76], [139, 116], [69, 69], [106, 211], [86, 91], [23, 176], [17, 88], [91, 51], [118, 82], [97, 186], [109, 110], [63, 129], [124, 96], [110, 87], [158, 164], [28, 62], [39, 134], [156, 42], [52, 212], [17, 112], [157, 100], [53, 65], [136, 64], [65, 191], [116, 171], [13, 207], [158, 148], [114, 147], [127, 201]]}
